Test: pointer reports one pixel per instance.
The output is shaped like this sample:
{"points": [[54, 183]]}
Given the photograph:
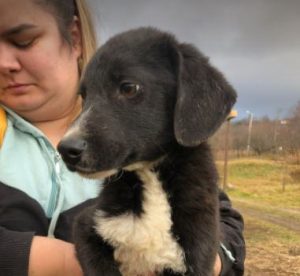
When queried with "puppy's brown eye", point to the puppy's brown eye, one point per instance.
{"points": [[129, 90]]}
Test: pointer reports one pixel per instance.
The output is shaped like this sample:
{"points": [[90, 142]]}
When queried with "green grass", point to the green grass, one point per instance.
{"points": [[253, 170], [261, 181]]}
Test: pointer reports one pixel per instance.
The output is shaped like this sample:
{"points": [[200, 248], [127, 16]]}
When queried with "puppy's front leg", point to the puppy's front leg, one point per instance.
{"points": [[198, 237], [94, 254]]}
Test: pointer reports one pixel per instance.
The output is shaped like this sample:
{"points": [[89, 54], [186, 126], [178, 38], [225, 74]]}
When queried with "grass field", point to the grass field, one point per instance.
{"points": [[271, 212]]}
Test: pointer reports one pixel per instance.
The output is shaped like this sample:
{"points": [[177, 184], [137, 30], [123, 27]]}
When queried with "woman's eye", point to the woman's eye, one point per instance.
{"points": [[23, 44], [129, 90]]}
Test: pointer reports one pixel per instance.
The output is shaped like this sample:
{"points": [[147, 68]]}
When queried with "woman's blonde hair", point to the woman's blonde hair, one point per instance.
{"points": [[64, 12], [88, 35]]}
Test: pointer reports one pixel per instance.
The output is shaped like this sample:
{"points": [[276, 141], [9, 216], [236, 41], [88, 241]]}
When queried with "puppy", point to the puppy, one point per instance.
{"points": [[149, 105]]}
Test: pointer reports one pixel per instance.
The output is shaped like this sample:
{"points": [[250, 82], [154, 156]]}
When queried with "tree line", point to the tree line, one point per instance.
{"points": [[265, 136]]}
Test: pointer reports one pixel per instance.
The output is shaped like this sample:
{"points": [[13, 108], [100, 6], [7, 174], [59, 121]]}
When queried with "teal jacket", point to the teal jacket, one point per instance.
{"points": [[29, 163], [38, 195]]}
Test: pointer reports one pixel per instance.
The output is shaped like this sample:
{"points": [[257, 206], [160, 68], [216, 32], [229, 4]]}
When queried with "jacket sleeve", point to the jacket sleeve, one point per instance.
{"points": [[232, 249], [14, 252], [21, 218]]}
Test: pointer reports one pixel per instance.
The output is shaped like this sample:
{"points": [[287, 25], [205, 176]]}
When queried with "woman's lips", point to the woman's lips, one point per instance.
{"points": [[17, 88]]}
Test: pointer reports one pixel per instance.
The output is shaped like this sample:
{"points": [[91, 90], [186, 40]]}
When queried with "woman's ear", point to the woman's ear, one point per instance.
{"points": [[204, 98], [76, 36]]}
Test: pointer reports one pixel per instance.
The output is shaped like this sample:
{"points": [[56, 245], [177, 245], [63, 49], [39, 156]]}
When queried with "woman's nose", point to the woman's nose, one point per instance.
{"points": [[9, 62]]}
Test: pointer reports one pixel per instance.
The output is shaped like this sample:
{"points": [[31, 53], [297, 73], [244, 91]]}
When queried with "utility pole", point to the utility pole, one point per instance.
{"points": [[276, 126], [284, 161], [232, 115], [249, 131]]}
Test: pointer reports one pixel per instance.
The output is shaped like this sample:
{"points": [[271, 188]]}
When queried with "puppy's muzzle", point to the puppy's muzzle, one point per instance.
{"points": [[71, 150]]}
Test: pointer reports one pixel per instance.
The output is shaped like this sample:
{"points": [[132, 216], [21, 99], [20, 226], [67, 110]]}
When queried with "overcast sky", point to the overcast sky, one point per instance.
{"points": [[255, 43]]}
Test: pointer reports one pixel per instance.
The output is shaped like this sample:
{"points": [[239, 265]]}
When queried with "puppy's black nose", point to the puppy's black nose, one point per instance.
{"points": [[71, 150]]}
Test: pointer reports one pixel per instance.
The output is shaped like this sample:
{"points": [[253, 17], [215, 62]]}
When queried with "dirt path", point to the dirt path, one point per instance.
{"points": [[288, 221], [267, 255]]}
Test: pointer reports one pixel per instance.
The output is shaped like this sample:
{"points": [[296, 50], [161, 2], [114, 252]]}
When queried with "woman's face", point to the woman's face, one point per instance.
{"points": [[38, 68]]}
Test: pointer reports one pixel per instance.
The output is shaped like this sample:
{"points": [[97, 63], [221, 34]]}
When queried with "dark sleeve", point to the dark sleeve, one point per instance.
{"points": [[232, 240], [21, 217], [14, 252]]}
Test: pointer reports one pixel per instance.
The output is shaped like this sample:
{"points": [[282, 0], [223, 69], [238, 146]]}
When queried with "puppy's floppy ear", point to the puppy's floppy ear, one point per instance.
{"points": [[204, 98]]}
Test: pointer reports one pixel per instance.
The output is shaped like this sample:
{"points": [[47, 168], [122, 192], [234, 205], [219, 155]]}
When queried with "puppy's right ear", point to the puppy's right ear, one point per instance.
{"points": [[204, 98]]}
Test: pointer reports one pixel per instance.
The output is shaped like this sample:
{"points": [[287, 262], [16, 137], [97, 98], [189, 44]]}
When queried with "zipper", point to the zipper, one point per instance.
{"points": [[58, 197], [55, 187], [57, 159]]}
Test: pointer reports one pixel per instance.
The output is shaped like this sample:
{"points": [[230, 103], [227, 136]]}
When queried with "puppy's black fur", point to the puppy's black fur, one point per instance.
{"points": [[148, 97]]}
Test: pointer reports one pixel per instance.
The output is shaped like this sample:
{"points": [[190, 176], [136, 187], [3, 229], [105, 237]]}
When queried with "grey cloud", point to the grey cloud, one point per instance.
{"points": [[255, 42]]}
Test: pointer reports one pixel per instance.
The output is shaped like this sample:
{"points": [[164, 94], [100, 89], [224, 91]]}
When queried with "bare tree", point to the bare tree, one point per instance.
{"points": [[262, 136]]}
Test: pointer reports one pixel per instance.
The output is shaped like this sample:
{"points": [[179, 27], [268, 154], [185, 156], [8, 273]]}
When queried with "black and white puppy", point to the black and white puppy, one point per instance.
{"points": [[149, 105]]}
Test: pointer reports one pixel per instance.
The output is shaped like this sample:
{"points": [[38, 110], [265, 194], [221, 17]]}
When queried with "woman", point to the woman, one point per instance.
{"points": [[43, 48]]}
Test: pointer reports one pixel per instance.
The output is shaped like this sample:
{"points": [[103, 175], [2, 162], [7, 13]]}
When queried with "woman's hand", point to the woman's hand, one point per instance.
{"points": [[218, 266], [52, 257]]}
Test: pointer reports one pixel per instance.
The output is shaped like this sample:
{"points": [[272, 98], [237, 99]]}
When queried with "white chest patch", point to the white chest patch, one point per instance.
{"points": [[143, 244]]}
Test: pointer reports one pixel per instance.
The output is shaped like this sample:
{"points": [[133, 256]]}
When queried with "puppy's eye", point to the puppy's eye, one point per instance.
{"points": [[129, 90]]}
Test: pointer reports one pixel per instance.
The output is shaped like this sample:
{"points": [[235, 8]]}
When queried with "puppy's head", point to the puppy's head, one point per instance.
{"points": [[143, 93]]}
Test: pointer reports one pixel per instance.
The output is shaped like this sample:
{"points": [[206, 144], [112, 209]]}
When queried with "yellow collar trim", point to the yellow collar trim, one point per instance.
{"points": [[3, 125]]}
